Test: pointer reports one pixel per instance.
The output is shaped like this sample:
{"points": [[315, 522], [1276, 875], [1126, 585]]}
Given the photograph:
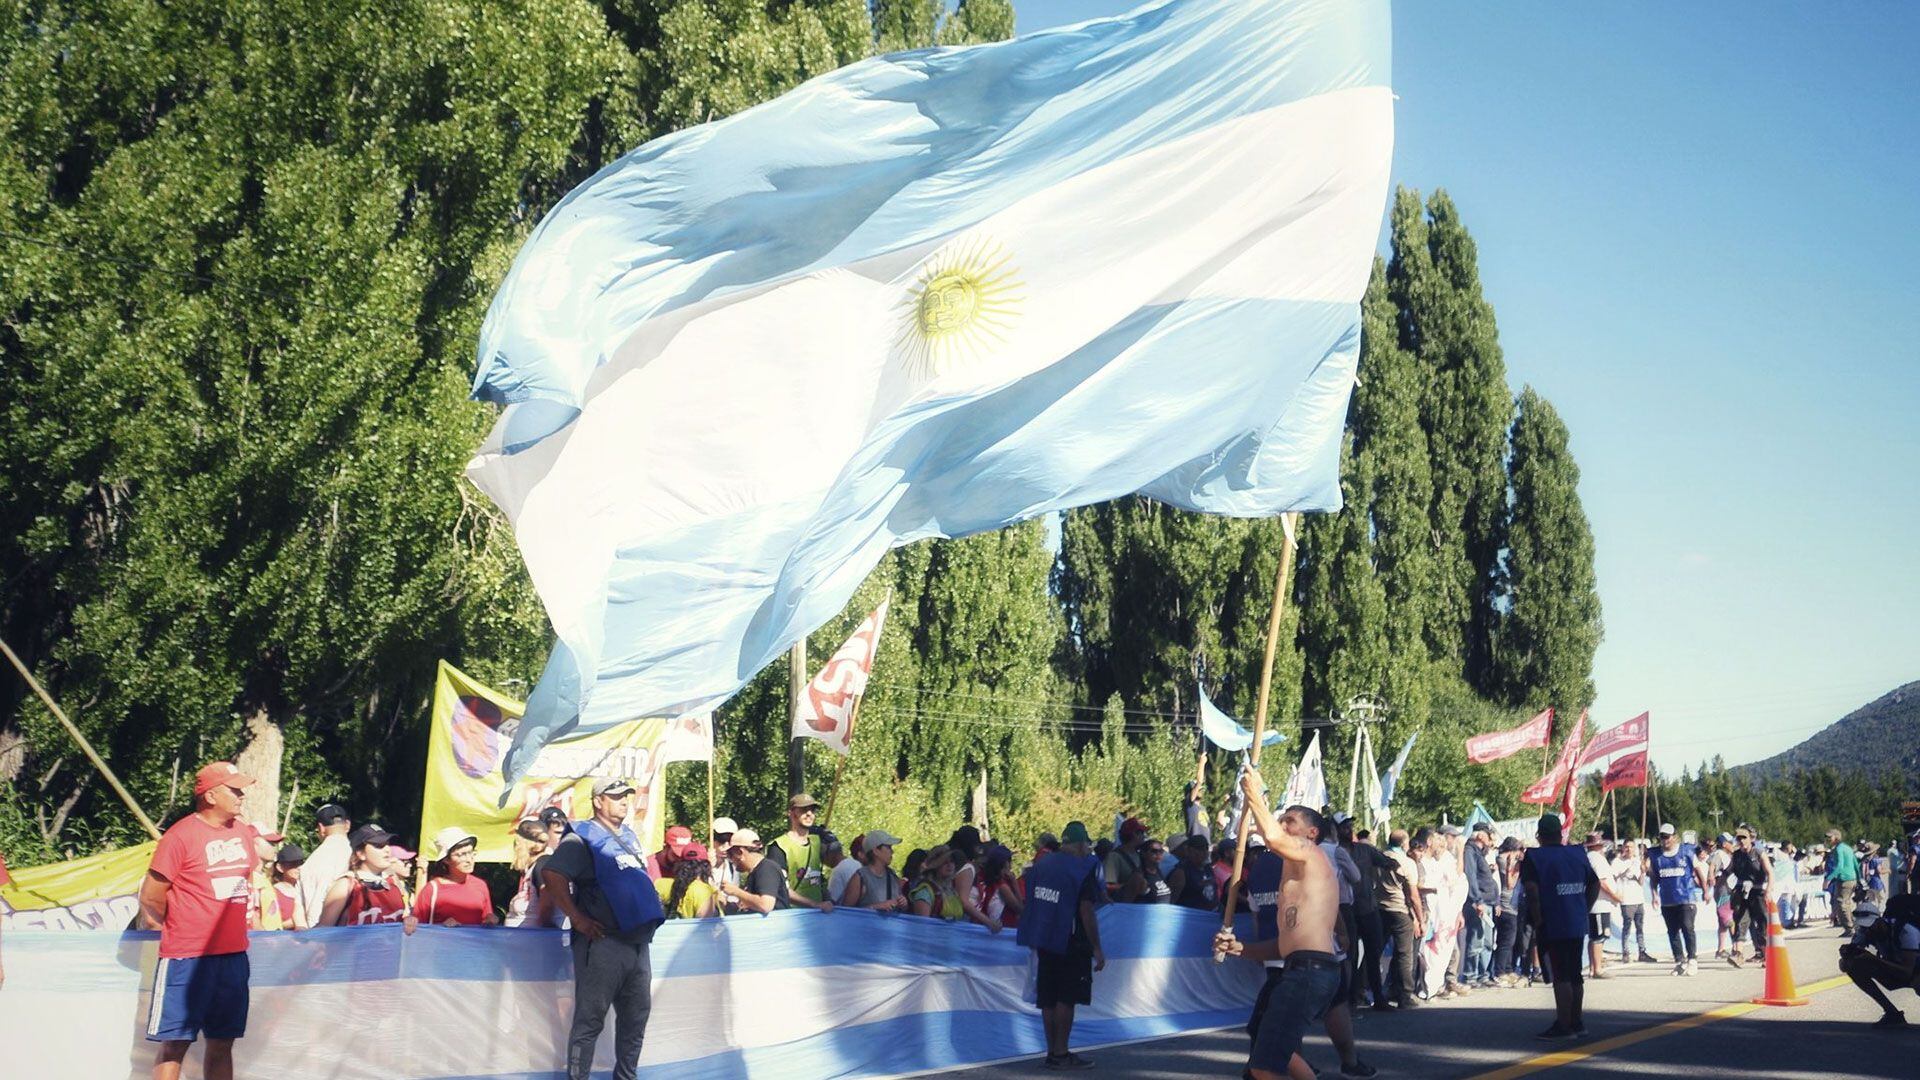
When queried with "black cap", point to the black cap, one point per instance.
{"points": [[367, 834], [291, 855], [553, 815], [331, 814]]}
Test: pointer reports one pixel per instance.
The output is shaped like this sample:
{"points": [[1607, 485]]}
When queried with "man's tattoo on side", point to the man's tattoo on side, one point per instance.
{"points": [[1293, 917]]}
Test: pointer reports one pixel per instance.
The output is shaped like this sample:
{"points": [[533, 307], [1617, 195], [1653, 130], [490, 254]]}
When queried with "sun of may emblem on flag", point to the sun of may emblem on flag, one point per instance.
{"points": [[964, 301]]}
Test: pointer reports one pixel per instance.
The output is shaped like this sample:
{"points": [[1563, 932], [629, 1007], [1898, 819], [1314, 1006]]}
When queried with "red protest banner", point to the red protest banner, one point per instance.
{"points": [[1548, 788], [1629, 771], [1631, 735], [1535, 734]]}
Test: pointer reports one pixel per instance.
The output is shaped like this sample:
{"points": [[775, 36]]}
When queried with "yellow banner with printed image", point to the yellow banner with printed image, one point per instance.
{"points": [[472, 728], [99, 892]]}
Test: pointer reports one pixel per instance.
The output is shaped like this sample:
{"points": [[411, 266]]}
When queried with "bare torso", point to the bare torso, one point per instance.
{"points": [[1309, 904]]}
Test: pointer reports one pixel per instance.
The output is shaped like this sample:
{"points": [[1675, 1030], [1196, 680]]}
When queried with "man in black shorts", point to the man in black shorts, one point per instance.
{"points": [[1560, 886], [1058, 925]]}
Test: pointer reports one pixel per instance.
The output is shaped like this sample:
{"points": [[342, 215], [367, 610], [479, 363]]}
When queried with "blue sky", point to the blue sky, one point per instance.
{"points": [[1698, 234]]}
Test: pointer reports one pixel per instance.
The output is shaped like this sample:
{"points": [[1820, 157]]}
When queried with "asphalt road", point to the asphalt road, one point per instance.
{"points": [[1642, 1021]]}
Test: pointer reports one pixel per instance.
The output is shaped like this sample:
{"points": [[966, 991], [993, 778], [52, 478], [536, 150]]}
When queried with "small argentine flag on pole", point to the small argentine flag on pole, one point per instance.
{"points": [[929, 294]]}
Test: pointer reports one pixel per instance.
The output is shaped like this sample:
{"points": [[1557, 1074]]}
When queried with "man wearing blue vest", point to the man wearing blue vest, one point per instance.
{"points": [[1560, 885], [1677, 872], [598, 878], [1059, 926]]}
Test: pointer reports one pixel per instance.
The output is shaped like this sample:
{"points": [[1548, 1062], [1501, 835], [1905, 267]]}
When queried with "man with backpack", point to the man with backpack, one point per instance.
{"points": [[1883, 953]]}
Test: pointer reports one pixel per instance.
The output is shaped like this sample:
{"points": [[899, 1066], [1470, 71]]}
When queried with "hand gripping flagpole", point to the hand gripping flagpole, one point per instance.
{"points": [[1287, 521]]}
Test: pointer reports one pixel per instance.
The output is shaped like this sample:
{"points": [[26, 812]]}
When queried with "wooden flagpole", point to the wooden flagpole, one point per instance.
{"points": [[713, 750], [87, 747], [853, 717], [1287, 521], [1645, 781]]}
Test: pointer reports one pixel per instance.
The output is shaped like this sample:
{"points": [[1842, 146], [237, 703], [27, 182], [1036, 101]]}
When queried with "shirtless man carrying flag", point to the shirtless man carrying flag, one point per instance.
{"points": [[1309, 902]]}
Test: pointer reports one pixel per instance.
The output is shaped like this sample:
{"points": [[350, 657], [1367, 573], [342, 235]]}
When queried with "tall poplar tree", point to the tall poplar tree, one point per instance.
{"points": [[1551, 628], [1394, 453], [1449, 328]]}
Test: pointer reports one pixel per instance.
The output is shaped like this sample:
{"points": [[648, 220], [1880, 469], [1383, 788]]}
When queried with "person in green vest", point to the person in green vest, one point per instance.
{"points": [[797, 851]]}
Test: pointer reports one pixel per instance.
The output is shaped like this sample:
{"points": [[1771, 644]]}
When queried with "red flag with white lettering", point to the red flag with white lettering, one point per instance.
{"points": [[826, 707], [1549, 787], [1631, 735], [1535, 734], [1628, 771]]}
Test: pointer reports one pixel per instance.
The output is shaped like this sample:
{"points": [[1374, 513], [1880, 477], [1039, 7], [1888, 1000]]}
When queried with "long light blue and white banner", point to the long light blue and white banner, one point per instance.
{"points": [[792, 995]]}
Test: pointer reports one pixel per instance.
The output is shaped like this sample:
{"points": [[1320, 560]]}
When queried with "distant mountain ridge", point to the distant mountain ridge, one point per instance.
{"points": [[1881, 735]]}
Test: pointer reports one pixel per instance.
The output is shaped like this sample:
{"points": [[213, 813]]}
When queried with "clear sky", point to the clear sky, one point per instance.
{"points": [[1699, 235]]}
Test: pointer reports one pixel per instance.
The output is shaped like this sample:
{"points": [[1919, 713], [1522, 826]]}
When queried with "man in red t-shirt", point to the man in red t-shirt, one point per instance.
{"points": [[198, 893]]}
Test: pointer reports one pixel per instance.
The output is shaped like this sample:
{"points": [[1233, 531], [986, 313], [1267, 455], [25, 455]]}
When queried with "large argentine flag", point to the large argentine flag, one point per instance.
{"points": [[930, 294]]}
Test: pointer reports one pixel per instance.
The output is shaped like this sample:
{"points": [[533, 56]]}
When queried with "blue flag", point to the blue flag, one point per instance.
{"points": [[1224, 731], [929, 295], [1392, 781]]}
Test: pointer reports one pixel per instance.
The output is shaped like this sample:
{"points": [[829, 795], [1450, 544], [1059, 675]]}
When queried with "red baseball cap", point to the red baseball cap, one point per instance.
{"points": [[678, 838], [1133, 826], [219, 774]]}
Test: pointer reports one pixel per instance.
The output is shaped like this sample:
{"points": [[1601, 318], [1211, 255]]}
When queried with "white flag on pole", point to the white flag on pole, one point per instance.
{"points": [[825, 709], [1307, 786]]}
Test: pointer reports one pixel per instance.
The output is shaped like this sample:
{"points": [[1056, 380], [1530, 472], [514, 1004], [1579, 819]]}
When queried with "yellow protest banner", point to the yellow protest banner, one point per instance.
{"points": [[100, 892], [472, 728]]}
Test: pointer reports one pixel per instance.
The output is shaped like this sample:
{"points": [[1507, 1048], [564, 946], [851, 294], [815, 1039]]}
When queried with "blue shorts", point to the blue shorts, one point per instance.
{"points": [[199, 995], [1299, 995]]}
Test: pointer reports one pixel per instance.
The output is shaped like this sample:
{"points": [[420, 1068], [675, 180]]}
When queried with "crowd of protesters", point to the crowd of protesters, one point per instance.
{"points": [[1429, 914]]}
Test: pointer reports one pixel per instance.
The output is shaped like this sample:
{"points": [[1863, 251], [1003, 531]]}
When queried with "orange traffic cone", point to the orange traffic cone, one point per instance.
{"points": [[1780, 989]]}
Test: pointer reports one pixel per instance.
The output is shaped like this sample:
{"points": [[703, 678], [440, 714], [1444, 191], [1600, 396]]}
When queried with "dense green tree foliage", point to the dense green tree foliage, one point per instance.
{"points": [[1551, 629]]}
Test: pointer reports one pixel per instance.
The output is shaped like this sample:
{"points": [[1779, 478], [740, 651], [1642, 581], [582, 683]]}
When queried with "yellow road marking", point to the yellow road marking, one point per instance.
{"points": [[1571, 1055]]}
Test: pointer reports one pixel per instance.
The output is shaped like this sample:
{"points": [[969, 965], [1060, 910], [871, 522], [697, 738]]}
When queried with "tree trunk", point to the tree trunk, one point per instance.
{"points": [[261, 759], [13, 755]]}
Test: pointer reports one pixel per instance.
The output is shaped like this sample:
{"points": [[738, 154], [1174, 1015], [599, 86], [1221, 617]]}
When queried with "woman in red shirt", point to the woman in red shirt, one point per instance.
{"points": [[370, 892], [455, 895]]}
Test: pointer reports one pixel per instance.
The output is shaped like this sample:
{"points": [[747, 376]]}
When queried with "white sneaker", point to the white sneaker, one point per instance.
{"points": [[1693, 967]]}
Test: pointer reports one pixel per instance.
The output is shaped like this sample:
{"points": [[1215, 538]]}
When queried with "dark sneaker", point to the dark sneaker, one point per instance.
{"points": [[1580, 1032], [1647, 959], [1554, 1032], [1733, 958], [1359, 1068]]}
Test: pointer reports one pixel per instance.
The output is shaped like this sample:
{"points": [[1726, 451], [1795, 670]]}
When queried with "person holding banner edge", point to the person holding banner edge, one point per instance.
{"points": [[598, 878]]}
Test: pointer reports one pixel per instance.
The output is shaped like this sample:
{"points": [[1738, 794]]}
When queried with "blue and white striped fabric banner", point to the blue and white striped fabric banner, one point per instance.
{"points": [[792, 995], [929, 295]]}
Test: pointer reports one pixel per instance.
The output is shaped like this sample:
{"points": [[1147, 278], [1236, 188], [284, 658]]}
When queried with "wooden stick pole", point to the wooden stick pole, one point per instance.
{"points": [[713, 751], [1645, 781], [853, 717], [286, 819], [1260, 715], [85, 746]]}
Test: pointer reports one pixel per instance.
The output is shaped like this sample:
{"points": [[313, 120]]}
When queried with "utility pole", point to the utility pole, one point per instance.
{"points": [[1362, 711]]}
